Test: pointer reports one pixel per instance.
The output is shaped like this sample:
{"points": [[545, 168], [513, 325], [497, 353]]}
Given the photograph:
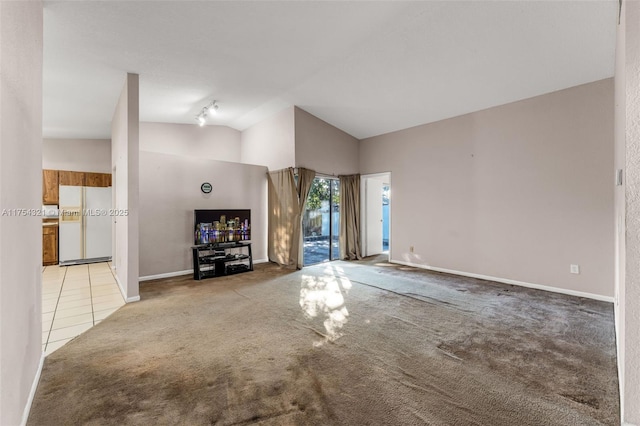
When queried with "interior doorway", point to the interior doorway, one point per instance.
{"points": [[321, 221], [376, 213], [386, 193]]}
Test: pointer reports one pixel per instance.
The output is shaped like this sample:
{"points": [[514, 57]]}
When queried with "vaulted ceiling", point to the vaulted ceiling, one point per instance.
{"points": [[365, 67]]}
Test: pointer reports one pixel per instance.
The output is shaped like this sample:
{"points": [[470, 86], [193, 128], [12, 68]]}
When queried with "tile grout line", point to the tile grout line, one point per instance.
{"points": [[115, 280], [55, 310], [93, 316], [92, 322], [44, 345]]}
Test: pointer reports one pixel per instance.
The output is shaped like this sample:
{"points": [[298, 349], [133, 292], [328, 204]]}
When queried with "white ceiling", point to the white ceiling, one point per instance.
{"points": [[366, 67]]}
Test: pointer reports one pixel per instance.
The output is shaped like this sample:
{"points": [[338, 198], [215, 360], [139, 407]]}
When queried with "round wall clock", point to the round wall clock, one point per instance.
{"points": [[206, 187]]}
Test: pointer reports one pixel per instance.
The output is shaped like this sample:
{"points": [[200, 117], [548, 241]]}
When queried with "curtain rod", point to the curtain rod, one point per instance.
{"points": [[334, 176], [325, 175], [318, 174]]}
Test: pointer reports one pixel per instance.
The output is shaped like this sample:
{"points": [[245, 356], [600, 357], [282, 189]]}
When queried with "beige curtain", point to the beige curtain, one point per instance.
{"points": [[305, 180], [284, 218], [350, 217]]}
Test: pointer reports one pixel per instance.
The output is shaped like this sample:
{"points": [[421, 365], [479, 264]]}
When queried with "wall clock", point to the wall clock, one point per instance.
{"points": [[206, 187]]}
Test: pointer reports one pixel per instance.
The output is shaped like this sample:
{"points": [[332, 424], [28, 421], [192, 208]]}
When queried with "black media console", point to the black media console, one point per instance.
{"points": [[219, 259]]}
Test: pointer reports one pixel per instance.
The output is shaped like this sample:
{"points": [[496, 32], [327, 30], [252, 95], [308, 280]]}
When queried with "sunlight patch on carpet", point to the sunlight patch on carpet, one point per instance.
{"points": [[324, 297]]}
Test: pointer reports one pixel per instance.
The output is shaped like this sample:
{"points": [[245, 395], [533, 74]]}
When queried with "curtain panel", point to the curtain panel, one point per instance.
{"points": [[350, 217], [284, 213], [305, 180], [286, 204]]}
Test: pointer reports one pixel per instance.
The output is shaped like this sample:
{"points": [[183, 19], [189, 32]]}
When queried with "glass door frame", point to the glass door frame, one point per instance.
{"points": [[333, 253]]}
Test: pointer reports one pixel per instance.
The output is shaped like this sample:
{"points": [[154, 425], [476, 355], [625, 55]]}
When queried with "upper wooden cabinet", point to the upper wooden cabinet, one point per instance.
{"points": [[51, 179], [97, 179], [71, 178], [49, 187]]}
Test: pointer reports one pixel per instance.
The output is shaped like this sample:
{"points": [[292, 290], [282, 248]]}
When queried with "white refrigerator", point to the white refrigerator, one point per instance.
{"points": [[84, 224]]}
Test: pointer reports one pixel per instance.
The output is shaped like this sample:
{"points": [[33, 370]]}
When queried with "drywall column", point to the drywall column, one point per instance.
{"points": [[629, 293], [125, 135], [20, 188], [619, 201]]}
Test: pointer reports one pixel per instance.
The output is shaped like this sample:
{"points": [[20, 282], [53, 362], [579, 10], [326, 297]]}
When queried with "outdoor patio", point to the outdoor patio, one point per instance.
{"points": [[316, 250]]}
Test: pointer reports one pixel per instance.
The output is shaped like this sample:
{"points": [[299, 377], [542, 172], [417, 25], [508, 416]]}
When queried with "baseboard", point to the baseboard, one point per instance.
{"points": [[166, 275], [619, 358], [85, 261], [32, 393], [508, 281], [124, 293], [185, 272]]}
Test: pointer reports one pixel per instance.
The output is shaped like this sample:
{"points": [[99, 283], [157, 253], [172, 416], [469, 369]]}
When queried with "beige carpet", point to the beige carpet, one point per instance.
{"points": [[345, 343]]}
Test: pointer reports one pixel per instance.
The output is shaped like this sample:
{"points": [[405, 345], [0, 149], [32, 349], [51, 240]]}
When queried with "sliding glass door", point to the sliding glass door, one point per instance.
{"points": [[335, 219], [321, 221]]}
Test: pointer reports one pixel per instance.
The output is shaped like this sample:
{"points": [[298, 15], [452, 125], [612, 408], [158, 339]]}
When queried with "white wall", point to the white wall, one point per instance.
{"points": [[628, 209], [323, 147], [518, 192], [80, 155], [125, 154], [271, 142], [20, 188], [213, 142], [170, 192]]}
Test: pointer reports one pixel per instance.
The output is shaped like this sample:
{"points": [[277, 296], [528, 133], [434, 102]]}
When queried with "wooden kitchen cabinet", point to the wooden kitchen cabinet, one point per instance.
{"points": [[49, 245], [49, 187], [97, 179], [71, 178]]}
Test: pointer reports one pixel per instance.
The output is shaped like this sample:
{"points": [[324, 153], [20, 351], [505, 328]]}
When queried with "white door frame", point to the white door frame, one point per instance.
{"points": [[363, 210], [114, 205]]}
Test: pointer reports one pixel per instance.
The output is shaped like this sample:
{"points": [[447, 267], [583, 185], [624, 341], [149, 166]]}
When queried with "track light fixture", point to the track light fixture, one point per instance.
{"points": [[210, 109]]}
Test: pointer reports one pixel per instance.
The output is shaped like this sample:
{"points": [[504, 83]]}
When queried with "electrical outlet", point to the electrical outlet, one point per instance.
{"points": [[410, 249], [575, 269]]}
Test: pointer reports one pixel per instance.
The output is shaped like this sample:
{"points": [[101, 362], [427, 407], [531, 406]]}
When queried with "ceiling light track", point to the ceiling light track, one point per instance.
{"points": [[206, 111]]}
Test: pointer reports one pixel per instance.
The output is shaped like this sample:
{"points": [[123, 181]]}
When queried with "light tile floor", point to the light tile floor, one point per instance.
{"points": [[74, 299]]}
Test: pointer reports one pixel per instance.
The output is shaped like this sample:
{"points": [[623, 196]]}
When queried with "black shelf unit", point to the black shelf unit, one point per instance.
{"points": [[219, 259]]}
